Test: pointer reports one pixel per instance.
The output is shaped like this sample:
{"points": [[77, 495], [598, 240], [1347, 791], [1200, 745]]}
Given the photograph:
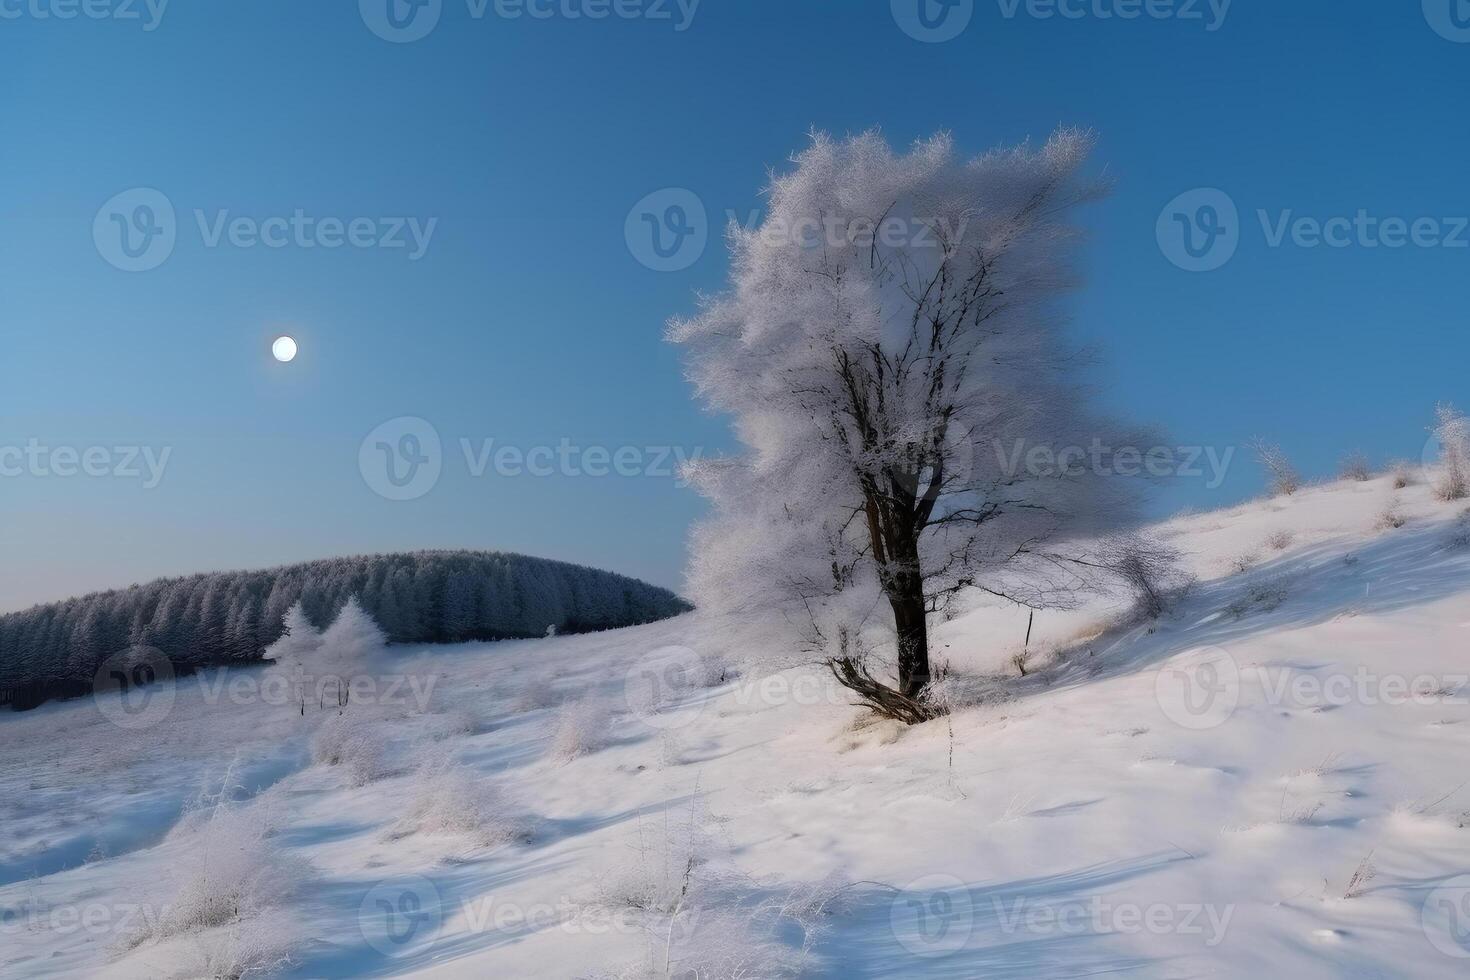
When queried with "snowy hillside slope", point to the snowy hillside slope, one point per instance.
{"points": [[1268, 782]]}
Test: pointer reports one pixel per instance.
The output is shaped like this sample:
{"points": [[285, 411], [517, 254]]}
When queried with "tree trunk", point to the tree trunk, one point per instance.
{"points": [[913, 644], [905, 589]]}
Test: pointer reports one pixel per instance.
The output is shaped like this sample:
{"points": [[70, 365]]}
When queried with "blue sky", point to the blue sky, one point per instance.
{"points": [[527, 319]]}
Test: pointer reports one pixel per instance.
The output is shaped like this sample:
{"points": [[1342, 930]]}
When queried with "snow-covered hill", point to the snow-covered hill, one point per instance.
{"points": [[1269, 782]]}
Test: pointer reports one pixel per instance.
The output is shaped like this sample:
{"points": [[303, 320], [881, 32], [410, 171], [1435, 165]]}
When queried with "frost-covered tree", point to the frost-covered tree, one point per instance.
{"points": [[1452, 429], [1281, 476], [299, 640], [353, 635], [890, 350]]}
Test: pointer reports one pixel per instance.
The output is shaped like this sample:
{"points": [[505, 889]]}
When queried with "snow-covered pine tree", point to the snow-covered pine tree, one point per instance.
{"points": [[353, 635], [299, 640]]}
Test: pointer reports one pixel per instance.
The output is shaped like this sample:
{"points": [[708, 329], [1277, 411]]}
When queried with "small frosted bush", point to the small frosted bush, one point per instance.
{"points": [[229, 871], [1390, 518], [450, 799], [353, 744], [258, 947], [456, 723], [1355, 467], [1452, 429], [581, 729], [1460, 536], [1281, 477], [1280, 540], [538, 693]]}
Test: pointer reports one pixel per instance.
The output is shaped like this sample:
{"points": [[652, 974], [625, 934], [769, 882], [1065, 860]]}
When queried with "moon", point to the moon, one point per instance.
{"points": [[283, 349]]}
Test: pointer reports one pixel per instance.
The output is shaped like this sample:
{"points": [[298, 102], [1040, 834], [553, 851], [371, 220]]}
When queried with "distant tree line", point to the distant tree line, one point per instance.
{"points": [[220, 618]]}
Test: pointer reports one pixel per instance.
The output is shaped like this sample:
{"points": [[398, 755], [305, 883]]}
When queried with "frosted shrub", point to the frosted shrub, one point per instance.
{"points": [[1390, 518], [1355, 467], [450, 799], [537, 694], [1241, 564], [581, 729], [1460, 536], [353, 744], [253, 948], [1281, 477], [1265, 595], [1280, 540], [704, 922], [1452, 429], [456, 723], [716, 669], [229, 871], [1147, 566], [1401, 474]]}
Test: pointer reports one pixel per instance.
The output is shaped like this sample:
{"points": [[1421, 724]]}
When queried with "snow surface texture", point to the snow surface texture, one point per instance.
{"points": [[1267, 782]]}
